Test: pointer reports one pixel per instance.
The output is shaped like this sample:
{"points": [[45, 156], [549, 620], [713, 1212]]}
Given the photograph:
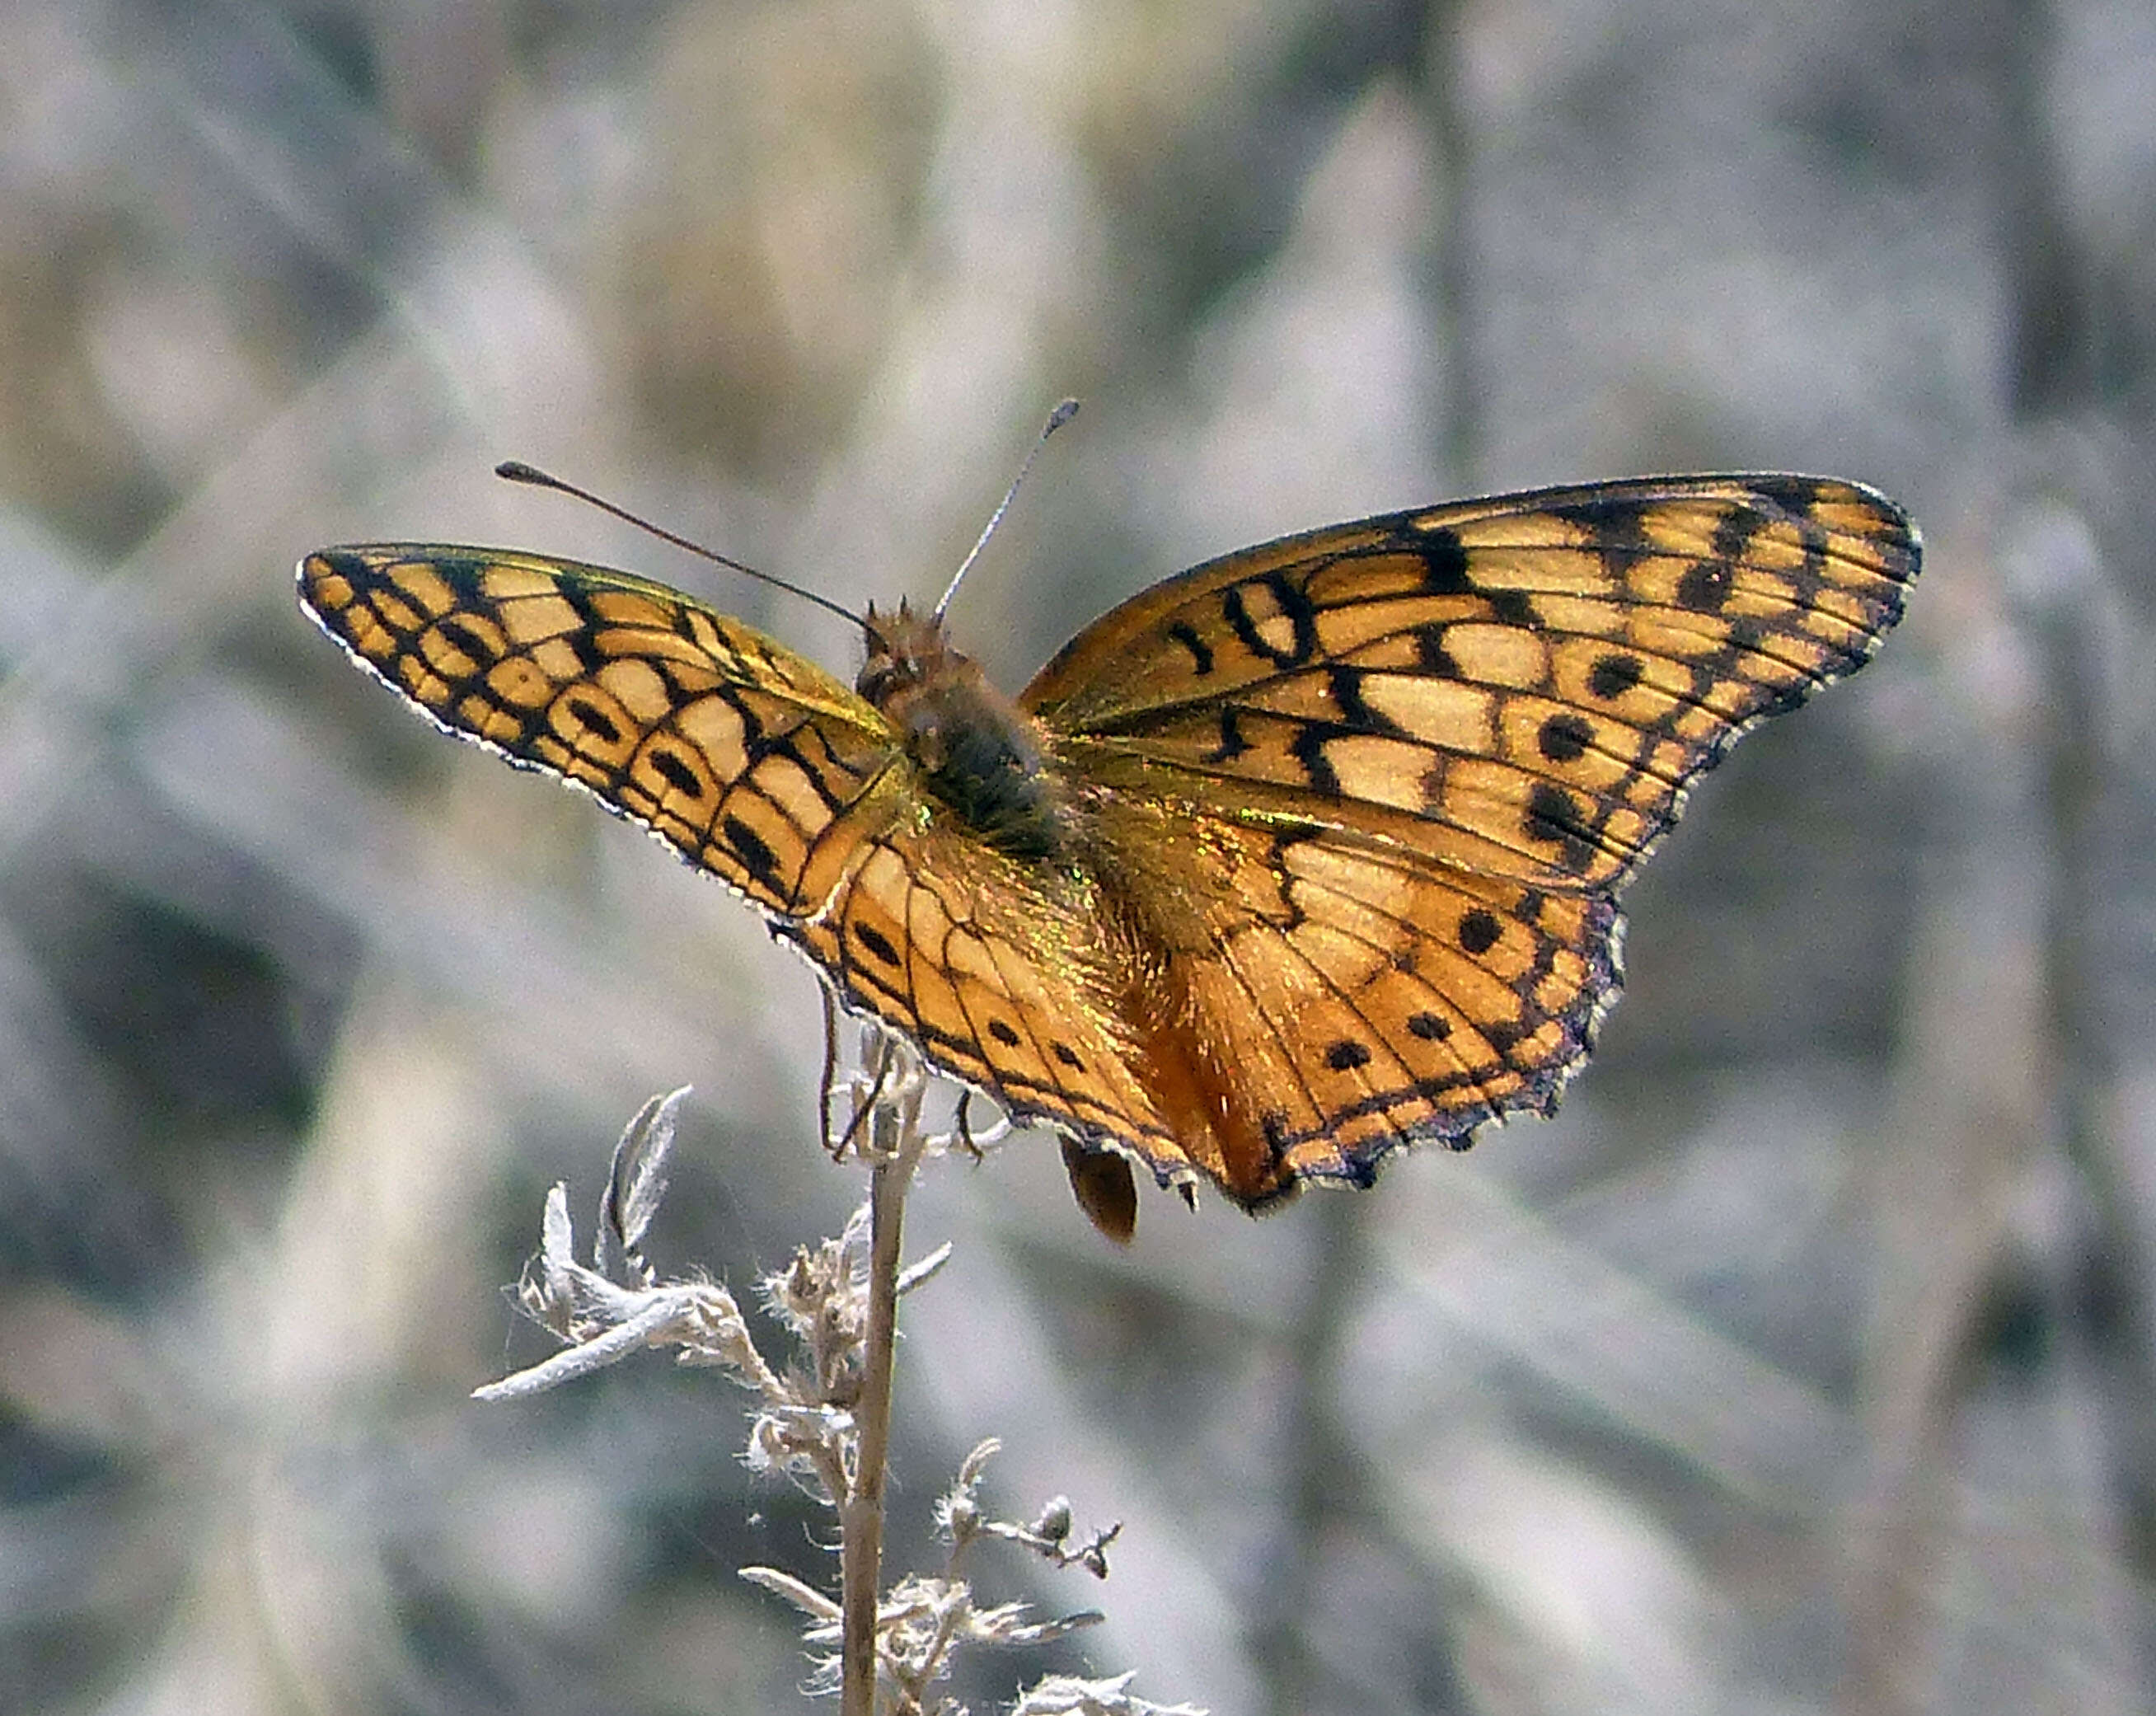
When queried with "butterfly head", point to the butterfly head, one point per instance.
{"points": [[906, 651]]}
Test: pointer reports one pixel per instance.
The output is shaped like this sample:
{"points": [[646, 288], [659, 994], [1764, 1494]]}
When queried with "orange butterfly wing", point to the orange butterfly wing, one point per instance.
{"points": [[751, 762], [1415, 760]]}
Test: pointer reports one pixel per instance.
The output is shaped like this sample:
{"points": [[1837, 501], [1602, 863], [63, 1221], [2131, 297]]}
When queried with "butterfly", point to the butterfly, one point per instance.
{"points": [[1306, 854]]}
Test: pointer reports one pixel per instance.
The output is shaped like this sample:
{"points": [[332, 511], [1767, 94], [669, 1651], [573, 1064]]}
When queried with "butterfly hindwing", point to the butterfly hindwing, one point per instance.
{"points": [[998, 973], [1329, 998]]}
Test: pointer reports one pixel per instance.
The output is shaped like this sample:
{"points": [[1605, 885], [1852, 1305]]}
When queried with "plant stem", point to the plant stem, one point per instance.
{"points": [[897, 1143]]}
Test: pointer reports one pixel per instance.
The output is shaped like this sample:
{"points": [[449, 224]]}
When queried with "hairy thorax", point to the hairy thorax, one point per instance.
{"points": [[979, 754]]}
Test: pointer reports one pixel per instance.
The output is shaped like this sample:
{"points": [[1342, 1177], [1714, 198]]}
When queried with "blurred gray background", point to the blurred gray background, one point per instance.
{"points": [[1804, 1364]]}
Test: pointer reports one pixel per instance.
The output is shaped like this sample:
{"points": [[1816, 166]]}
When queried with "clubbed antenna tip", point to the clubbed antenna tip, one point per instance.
{"points": [[1056, 418]]}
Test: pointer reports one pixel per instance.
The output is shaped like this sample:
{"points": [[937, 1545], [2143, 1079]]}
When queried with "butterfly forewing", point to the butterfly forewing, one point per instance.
{"points": [[750, 761], [1536, 676]]}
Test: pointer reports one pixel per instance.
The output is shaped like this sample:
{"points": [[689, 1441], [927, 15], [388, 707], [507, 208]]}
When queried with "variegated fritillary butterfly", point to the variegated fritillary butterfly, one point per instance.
{"points": [[1306, 854]]}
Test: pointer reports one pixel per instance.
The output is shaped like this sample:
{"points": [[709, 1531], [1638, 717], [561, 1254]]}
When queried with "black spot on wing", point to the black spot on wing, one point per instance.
{"points": [[1308, 748], [1732, 537], [877, 941], [460, 630], [1564, 738], [594, 718], [1514, 608], [677, 775], [1431, 655], [761, 862], [1345, 686], [1797, 493], [1705, 585], [1614, 521], [585, 644], [1232, 743], [1614, 674], [1557, 819], [1444, 564]]}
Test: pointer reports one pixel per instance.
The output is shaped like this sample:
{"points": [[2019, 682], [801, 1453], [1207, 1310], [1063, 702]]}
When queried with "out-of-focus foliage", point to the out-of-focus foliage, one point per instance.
{"points": [[1804, 1363]]}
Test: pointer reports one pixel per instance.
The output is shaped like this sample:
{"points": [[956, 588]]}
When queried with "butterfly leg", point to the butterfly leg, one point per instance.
{"points": [[964, 1122], [828, 1082], [887, 1065]]}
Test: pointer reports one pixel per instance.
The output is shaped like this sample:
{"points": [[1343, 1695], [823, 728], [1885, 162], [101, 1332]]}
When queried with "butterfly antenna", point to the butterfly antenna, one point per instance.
{"points": [[1056, 418], [516, 471]]}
